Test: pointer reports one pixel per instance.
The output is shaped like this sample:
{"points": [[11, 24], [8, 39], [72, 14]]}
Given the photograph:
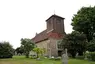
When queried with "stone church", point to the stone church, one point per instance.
{"points": [[48, 39]]}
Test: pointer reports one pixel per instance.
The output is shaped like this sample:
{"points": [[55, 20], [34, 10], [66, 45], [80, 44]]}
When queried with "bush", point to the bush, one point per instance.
{"points": [[90, 56], [6, 50], [91, 45]]}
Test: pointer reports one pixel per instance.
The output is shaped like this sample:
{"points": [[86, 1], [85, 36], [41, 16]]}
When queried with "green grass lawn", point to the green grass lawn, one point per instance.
{"points": [[23, 60]]}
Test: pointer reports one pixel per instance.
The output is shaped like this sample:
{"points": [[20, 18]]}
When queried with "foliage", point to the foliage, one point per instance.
{"points": [[75, 43], [91, 46], [28, 45], [84, 22], [38, 51], [6, 50], [19, 50], [91, 56]]}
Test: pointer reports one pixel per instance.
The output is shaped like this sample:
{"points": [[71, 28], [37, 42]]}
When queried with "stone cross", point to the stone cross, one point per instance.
{"points": [[65, 57]]}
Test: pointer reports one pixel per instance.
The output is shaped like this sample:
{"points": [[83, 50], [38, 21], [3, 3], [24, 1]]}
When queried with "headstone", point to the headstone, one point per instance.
{"points": [[77, 54], [52, 57], [65, 57], [38, 59]]}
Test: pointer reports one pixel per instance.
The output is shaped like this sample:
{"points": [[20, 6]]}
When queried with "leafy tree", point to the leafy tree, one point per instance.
{"points": [[84, 22], [19, 50], [28, 45], [75, 43], [91, 46], [43, 51], [6, 50], [38, 51]]}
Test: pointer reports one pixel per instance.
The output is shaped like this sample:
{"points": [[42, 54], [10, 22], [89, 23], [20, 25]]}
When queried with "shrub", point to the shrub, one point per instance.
{"points": [[6, 50], [90, 56], [91, 45]]}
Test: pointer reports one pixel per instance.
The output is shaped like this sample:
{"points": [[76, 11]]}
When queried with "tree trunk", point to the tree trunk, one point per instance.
{"points": [[37, 55]]}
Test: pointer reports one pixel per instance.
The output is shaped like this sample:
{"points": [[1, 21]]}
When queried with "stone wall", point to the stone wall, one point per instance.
{"points": [[50, 45], [43, 44]]}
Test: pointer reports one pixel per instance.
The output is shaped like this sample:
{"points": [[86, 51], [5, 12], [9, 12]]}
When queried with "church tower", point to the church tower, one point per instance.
{"points": [[49, 38], [55, 24]]}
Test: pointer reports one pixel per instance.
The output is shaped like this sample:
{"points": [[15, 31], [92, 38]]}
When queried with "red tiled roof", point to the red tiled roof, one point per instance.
{"points": [[55, 35], [40, 37], [44, 35]]}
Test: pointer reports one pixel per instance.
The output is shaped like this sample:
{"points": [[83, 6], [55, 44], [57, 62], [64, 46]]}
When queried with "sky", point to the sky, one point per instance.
{"points": [[24, 18]]}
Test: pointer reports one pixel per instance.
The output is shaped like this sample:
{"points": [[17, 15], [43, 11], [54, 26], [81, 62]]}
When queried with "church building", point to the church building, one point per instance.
{"points": [[48, 39]]}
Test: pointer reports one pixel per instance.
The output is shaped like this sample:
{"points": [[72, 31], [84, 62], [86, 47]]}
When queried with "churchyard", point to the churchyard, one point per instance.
{"points": [[77, 47], [23, 60]]}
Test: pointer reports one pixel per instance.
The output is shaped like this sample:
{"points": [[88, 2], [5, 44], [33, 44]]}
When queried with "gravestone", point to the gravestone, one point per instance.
{"points": [[38, 59], [65, 57], [77, 54]]}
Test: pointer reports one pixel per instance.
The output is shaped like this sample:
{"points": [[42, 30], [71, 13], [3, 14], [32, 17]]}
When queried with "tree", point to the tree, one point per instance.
{"points": [[75, 43], [38, 51], [28, 45], [91, 46], [19, 50], [84, 22], [6, 50]]}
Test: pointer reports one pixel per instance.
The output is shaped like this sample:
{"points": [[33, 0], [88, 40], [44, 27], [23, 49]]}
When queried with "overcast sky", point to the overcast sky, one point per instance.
{"points": [[23, 18]]}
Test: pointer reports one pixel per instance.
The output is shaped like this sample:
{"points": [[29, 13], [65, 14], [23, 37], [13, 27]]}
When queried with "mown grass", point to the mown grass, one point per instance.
{"points": [[23, 60]]}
